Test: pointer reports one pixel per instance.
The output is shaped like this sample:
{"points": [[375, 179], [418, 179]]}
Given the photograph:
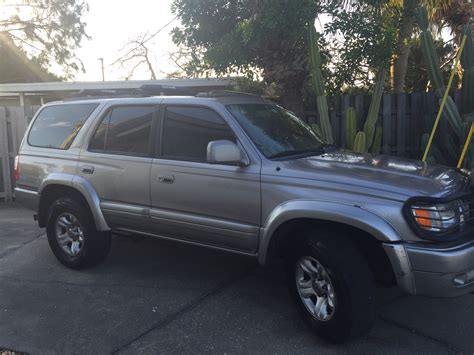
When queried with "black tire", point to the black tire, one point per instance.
{"points": [[94, 245], [351, 278]]}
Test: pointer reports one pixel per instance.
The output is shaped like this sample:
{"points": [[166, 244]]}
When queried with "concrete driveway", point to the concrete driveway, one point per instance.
{"points": [[152, 296]]}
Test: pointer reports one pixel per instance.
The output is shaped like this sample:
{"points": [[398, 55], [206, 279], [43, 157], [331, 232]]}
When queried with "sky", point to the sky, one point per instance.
{"points": [[112, 23]]}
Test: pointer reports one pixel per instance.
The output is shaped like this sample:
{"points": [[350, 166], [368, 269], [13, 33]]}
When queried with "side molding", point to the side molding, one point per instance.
{"points": [[85, 188], [327, 211]]}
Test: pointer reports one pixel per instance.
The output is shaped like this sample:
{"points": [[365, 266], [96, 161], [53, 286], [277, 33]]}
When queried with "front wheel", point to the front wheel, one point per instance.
{"points": [[333, 287], [73, 237]]}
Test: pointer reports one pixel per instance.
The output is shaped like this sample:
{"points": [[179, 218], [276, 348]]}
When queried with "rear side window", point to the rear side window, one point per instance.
{"points": [[188, 130], [124, 130], [57, 126]]}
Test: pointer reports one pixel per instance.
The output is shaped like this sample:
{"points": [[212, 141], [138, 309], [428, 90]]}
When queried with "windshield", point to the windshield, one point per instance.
{"points": [[275, 131]]}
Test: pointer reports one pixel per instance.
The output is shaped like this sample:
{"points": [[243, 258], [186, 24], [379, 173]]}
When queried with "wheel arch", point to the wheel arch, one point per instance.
{"points": [[60, 184], [367, 230]]}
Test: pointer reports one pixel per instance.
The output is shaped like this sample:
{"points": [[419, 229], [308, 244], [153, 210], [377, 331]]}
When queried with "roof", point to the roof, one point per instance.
{"points": [[233, 98]]}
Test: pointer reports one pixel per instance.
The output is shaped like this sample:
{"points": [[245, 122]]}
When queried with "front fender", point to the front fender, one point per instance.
{"points": [[351, 215], [85, 188]]}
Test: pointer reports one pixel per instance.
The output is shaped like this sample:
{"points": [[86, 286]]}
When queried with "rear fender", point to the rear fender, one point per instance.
{"points": [[84, 187]]}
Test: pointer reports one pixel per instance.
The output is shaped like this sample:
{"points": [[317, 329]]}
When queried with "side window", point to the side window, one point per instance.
{"points": [[97, 143], [125, 130], [57, 126], [188, 130]]}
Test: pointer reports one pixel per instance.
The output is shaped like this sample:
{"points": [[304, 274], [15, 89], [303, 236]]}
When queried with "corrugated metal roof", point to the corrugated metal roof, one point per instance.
{"points": [[68, 87]]}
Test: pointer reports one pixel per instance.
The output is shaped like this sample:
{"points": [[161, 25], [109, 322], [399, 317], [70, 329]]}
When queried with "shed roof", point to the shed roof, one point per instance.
{"points": [[61, 89]]}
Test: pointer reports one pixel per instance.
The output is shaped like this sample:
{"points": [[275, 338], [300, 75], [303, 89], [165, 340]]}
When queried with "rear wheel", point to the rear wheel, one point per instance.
{"points": [[73, 237], [333, 287]]}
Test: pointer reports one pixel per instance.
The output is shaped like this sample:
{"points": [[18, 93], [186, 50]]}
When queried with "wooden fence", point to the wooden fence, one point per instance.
{"points": [[404, 119], [13, 123]]}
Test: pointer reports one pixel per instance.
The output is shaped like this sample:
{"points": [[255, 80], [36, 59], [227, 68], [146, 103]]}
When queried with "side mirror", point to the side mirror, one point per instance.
{"points": [[225, 152]]}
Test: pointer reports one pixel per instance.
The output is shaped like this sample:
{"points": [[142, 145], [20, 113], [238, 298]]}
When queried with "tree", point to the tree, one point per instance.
{"points": [[15, 67], [405, 33], [452, 13], [360, 40], [49, 31], [136, 53], [252, 37]]}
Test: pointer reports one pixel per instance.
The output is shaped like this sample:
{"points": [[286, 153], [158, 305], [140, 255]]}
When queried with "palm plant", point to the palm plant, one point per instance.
{"points": [[452, 13]]}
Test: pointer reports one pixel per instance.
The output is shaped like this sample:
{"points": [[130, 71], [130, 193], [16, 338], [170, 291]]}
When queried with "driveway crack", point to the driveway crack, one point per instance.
{"points": [[13, 250], [187, 307], [443, 343]]}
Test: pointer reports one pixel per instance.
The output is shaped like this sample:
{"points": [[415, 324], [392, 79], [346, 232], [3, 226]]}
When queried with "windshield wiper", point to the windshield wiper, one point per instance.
{"points": [[288, 153], [326, 148]]}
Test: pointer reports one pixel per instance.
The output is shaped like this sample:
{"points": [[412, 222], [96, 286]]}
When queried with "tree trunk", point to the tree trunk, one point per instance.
{"points": [[292, 97], [400, 65]]}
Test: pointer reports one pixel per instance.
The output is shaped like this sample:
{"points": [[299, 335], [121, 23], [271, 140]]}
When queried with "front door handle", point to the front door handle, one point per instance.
{"points": [[167, 179], [87, 169]]}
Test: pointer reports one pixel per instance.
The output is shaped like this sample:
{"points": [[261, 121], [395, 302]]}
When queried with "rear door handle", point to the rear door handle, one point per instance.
{"points": [[87, 169], [166, 179]]}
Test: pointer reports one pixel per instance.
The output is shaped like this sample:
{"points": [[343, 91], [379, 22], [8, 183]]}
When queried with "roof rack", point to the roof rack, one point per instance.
{"points": [[223, 93], [92, 94], [149, 90]]}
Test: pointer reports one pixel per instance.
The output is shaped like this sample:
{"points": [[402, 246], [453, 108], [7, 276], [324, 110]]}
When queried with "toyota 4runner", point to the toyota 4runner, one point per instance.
{"points": [[238, 173]]}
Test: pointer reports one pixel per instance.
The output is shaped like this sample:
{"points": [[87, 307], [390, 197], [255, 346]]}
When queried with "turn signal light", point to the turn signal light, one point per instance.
{"points": [[16, 170]]}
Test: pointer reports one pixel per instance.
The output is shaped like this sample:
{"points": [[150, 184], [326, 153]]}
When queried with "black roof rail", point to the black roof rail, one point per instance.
{"points": [[91, 94], [158, 90], [149, 90], [224, 93]]}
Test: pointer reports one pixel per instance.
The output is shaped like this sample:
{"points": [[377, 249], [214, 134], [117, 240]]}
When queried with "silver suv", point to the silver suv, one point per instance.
{"points": [[241, 174]]}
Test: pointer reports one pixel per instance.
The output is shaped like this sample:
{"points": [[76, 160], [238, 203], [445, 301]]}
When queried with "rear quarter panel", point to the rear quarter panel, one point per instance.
{"points": [[36, 163]]}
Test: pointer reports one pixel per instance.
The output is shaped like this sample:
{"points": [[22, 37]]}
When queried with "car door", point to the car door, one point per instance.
{"points": [[117, 163], [212, 204]]}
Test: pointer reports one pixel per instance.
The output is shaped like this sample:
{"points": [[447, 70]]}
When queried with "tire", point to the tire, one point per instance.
{"points": [[73, 237], [343, 284]]}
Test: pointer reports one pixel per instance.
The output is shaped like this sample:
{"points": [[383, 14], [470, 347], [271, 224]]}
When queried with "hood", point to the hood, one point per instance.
{"points": [[379, 172]]}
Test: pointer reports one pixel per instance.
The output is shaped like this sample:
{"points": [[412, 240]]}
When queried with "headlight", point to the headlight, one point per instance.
{"points": [[439, 218], [440, 221]]}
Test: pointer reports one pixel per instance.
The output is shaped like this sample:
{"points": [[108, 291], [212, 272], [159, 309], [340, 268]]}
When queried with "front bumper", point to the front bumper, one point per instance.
{"points": [[27, 198], [441, 271]]}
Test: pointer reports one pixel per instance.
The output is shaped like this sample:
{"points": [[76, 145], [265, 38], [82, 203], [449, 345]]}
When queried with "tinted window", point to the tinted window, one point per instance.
{"points": [[98, 142], [125, 130], [274, 130], [188, 130], [58, 126]]}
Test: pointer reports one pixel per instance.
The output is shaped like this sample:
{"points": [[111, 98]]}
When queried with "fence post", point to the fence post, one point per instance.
{"points": [[345, 105], [5, 156], [416, 124], [387, 122], [359, 109], [401, 123], [335, 121]]}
